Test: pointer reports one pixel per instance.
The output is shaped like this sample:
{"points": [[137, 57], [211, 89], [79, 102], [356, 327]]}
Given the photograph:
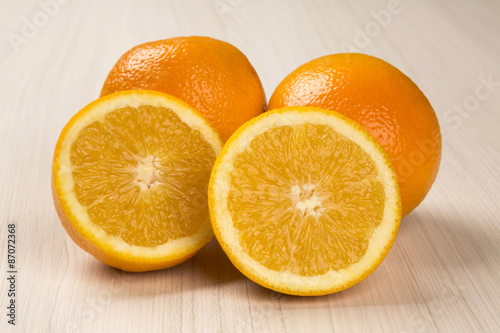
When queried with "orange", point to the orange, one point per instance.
{"points": [[211, 75], [385, 102], [304, 201], [130, 178]]}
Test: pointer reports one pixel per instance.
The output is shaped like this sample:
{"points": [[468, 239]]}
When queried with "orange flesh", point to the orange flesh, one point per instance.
{"points": [[319, 184], [143, 175]]}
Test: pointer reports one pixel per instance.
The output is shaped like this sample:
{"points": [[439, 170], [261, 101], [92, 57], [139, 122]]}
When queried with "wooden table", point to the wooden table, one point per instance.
{"points": [[443, 273]]}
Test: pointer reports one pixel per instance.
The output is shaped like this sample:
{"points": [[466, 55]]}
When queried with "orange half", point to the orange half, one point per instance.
{"points": [[304, 201], [130, 179]]}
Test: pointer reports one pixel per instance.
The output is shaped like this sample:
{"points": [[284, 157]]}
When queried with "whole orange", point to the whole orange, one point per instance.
{"points": [[384, 101], [211, 75]]}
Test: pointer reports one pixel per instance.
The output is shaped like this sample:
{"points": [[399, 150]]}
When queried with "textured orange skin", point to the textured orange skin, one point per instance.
{"points": [[384, 101], [211, 75]]}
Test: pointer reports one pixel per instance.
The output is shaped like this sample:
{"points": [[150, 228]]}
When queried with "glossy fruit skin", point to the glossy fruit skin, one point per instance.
{"points": [[384, 101], [211, 75]]}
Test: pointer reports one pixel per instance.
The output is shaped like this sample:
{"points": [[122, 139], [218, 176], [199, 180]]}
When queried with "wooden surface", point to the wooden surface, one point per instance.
{"points": [[443, 273]]}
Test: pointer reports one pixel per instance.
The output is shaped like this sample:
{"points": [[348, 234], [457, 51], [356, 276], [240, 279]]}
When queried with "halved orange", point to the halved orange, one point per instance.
{"points": [[130, 177], [304, 201]]}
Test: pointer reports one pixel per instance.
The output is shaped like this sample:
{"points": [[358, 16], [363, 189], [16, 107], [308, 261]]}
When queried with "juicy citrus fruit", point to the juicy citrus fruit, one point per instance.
{"points": [[211, 75], [304, 201], [130, 177], [385, 102]]}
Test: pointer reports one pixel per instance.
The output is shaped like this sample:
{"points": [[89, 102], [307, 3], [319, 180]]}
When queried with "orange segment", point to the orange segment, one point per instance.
{"points": [[295, 189], [131, 174], [304, 201]]}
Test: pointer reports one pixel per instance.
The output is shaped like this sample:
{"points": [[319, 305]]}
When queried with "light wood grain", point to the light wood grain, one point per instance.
{"points": [[443, 272]]}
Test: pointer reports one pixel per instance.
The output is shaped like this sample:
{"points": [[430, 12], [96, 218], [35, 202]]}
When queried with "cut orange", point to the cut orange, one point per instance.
{"points": [[130, 177], [304, 201]]}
